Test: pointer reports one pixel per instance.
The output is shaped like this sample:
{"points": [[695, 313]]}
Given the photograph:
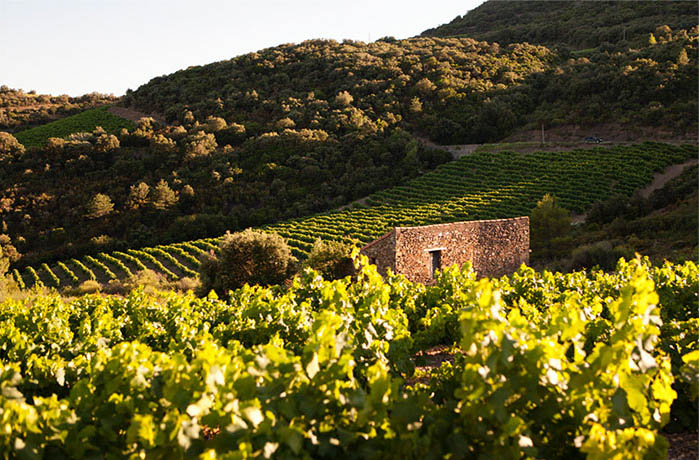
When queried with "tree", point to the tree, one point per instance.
{"points": [[9, 145], [247, 257], [100, 205], [106, 143], [344, 98], [331, 259], [199, 144], [214, 124], [548, 221], [683, 59], [162, 144], [415, 105], [163, 195], [8, 254], [138, 195]]}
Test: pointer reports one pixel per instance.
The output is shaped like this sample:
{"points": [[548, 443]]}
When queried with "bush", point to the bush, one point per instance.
{"points": [[86, 287], [331, 259], [9, 145], [99, 206], [200, 144], [247, 257], [548, 221], [601, 254]]}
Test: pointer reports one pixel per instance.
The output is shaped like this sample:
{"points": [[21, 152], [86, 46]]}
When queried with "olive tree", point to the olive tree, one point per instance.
{"points": [[247, 257]]}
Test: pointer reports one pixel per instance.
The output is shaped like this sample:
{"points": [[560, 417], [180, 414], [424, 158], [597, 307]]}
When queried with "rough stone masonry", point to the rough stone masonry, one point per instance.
{"points": [[494, 247]]}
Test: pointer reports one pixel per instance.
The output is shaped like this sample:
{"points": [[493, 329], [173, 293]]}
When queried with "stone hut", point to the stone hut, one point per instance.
{"points": [[494, 247]]}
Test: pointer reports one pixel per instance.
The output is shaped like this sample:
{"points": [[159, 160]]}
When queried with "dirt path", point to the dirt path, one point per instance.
{"points": [[134, 115], [349, 205], [457, 150], [660, 179]]}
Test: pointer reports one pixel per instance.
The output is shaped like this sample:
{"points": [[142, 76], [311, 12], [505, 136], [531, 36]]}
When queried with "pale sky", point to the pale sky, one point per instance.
{"points": [[79, 46]]}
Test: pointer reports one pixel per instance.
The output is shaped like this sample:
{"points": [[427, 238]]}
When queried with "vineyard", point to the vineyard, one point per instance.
{"points": [[542, 365], [85, 121], [479, 186]]}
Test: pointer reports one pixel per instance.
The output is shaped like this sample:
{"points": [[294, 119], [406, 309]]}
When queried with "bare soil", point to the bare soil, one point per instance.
{"points": [[683, 446], [609, 132], [134, 115], [349, 205], [671, 172]]}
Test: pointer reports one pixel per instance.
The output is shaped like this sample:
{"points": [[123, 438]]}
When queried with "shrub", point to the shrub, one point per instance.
{"points": [[9, 145], [86, 287], [106, 143], [247, 257], [200, 144], [548, 221], [601, 254], [331, 259], [100, 205], [343, 98]]}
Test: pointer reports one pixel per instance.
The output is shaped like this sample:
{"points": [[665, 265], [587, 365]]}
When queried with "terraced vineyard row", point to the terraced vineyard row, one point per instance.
{"points": [[480, 186]]}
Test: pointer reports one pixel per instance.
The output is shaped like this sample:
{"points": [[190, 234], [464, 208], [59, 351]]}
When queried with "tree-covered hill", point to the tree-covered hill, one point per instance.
{"points": [[303, 128], [434, 86], [575, 24], [20, 110], [450, 90]]}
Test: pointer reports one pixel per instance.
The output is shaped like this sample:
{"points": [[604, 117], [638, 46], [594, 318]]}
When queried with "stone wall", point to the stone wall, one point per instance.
{"points": [[495, 247], [382, 252]]}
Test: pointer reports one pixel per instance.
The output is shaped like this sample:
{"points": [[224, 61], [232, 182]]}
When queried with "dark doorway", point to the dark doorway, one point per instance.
{"points": [[436, 261]]}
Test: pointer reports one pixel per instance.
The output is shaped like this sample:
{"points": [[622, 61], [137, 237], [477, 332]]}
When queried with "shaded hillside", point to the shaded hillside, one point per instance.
{"points": [[575, 24], [152, 184], [480, 186], [20, 110]]}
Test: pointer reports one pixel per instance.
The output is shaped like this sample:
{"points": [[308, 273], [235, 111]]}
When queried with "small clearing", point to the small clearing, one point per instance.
{"points": [[134, 115], [361, 201], [660, 179], [457, 150]]}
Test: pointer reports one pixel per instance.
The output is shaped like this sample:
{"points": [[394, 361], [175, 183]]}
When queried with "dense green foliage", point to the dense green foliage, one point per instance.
{"points": [[20, 110], [330, 258], [436, 87], [299, 129], [574, 24], [179, 183], [247, 257], [82, 122], [548, 222], [545, 366], [450, 90], [662, 226], [478, 186]]}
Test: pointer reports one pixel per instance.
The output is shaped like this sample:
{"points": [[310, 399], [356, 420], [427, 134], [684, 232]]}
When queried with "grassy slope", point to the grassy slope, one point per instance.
{"points": [[85, 121], [480, 186]]}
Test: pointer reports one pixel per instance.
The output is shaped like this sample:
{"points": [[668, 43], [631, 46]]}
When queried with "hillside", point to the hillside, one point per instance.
{"points": [[21, 110], [304, 128], [480, 186], [454, 91], [86, 121], [573, 24]]}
